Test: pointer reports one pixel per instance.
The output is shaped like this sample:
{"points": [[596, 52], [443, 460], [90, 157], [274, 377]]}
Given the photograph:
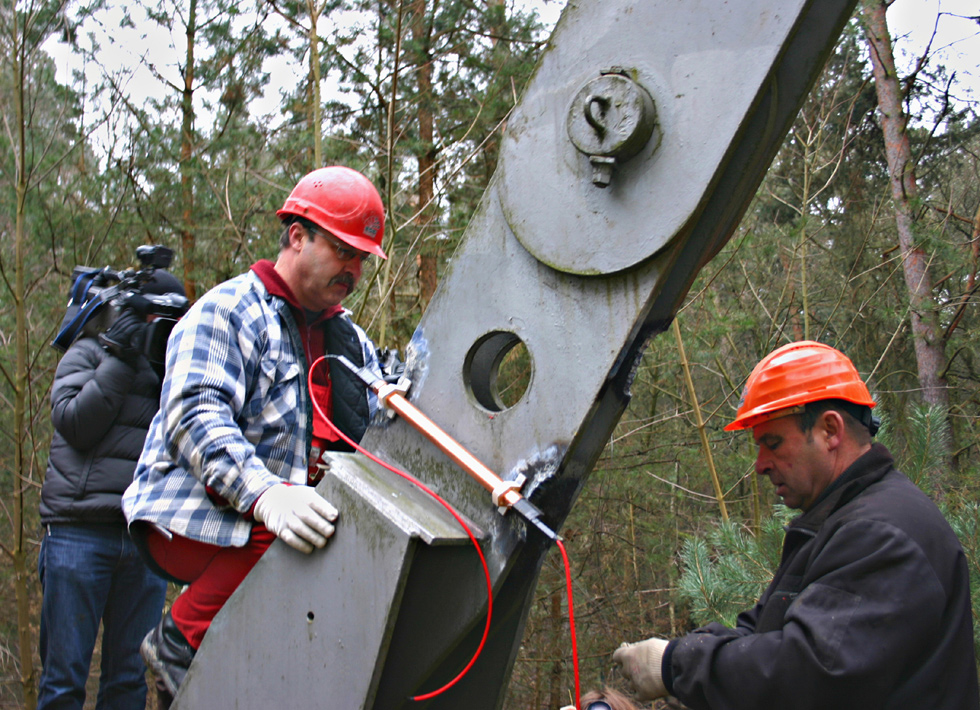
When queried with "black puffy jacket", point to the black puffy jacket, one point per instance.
{"points": [[101, 409], [869, 609]]}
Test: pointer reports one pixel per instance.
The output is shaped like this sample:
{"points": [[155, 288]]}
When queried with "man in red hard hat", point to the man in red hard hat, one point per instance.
{"points": [[231, 458], [870, 606]]}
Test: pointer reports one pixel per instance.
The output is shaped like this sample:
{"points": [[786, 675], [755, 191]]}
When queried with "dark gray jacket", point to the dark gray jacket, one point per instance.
{"points": [[101, 408], [869, 608]]}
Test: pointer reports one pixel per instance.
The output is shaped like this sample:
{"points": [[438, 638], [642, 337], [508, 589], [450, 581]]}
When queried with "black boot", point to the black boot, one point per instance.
{"points": [[167, 653]]}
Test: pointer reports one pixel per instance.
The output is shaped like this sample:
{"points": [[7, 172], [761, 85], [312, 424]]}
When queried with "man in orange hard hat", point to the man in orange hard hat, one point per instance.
{"points": [[870, 605], [231, 458]]}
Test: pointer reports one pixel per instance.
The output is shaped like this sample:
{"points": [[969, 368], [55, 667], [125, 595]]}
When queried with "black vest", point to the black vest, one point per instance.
{"points": [[350, 402]]}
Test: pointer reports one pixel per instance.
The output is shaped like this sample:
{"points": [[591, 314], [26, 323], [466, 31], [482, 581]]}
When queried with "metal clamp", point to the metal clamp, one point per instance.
{"points": [[500, 490], [389, 388]]}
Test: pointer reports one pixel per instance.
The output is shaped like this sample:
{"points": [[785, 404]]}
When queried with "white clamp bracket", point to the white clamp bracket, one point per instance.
{"points": [[498, 492], [388, 388]]}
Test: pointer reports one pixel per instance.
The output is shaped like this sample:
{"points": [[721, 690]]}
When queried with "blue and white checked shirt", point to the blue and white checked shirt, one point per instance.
{"points": [[234, 415]]}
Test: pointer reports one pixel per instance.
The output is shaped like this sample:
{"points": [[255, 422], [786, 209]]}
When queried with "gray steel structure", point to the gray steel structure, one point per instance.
{"points": [[637, 146]]}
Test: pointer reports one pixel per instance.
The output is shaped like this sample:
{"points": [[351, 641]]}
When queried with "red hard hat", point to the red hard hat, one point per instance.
{"points": [[794, 375], [344, 203]]}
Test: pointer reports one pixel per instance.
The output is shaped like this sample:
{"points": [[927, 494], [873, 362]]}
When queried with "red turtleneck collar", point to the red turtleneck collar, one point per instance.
{"points": [[276, 286]]}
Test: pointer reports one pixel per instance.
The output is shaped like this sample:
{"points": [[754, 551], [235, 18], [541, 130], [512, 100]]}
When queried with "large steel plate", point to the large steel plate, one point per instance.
{"points": [[695, 58]]}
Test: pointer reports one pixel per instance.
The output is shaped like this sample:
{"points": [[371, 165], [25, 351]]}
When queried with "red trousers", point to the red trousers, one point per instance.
{"points": [[212, 573]]}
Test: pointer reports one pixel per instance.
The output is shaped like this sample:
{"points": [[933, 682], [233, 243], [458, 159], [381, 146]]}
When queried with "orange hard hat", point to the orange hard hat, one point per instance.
{"points": [[344, 203], [794, 375]]}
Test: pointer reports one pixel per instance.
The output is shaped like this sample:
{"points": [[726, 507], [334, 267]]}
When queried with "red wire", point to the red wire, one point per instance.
{"points": [[459, 519], [571, 619], [486, 571]]}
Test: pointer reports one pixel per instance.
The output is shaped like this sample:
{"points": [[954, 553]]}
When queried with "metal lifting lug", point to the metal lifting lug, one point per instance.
{"points": [[610, 120]]}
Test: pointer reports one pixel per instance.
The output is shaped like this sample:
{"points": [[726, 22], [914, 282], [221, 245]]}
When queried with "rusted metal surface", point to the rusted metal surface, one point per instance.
{"points": [[581, 274]]}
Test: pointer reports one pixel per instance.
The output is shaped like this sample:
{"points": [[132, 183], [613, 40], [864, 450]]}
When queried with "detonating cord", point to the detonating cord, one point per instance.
{"points": [[486, 571]]}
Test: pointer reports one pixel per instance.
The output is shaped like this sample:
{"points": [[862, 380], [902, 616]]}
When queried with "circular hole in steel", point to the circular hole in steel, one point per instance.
{"points": [[498, 370], [310, 616]]}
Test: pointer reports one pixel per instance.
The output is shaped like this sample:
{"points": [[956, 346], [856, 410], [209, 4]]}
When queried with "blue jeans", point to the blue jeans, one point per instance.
{"points": [[93, 573]]}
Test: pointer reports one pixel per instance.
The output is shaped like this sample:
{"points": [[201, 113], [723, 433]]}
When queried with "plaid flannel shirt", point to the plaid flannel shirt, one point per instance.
{"points": [[234, 415]]}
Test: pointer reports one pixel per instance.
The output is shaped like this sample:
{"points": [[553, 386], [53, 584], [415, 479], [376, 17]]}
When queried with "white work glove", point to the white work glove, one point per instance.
{"points": [[297, 515], [642, 666]]}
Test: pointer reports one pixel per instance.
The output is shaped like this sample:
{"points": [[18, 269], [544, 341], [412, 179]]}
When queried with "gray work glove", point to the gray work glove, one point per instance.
{"points": [[297, 515], [642, 666]]}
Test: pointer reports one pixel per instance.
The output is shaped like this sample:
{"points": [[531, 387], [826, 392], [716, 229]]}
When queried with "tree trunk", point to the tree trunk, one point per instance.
{"points": [[971, 281], [699, 420], [428, 259], [926, 335], [391, 130], [187, 238], [21, 385], [316, 130]]}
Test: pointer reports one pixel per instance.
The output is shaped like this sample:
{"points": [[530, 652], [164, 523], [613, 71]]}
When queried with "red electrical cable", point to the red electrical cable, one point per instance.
{"points": [[571, 620], [447, 506], [486, 571]]}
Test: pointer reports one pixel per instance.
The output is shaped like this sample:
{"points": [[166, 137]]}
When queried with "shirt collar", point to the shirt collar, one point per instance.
{"points": [[276, 286]]}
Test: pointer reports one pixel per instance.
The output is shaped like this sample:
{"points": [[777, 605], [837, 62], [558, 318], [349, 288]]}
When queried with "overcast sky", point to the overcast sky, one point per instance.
{"points": [[912, 23], [957, 35]]}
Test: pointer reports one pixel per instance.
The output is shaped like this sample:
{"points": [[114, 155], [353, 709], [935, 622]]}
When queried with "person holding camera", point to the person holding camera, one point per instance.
{"points": [[231, 459], [104, 396]]}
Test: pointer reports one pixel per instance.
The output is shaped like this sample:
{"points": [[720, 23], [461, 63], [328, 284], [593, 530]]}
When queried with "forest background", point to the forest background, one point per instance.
{"points": [[865, 235]]}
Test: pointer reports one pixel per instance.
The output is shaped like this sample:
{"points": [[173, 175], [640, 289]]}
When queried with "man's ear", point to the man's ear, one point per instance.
{"points": [[832, 425], [297, 233]]}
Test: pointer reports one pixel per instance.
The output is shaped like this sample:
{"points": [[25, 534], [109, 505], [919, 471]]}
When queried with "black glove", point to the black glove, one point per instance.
{"points": [[391, 365], [138, 304], [125, 337]]}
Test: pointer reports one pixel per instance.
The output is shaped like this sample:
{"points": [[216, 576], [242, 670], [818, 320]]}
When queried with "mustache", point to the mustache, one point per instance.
{"points": [[345, 279]]}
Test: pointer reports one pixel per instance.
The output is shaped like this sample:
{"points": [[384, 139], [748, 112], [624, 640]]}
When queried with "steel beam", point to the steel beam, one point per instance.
{"points": [[642, 137]]}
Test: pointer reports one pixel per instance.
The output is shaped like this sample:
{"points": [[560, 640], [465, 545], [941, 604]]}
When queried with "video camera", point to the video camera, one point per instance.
{"points": [[93, 289]]}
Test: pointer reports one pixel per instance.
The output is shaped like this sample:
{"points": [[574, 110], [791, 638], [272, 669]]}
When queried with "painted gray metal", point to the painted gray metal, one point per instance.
{"points": [[582, 275]]}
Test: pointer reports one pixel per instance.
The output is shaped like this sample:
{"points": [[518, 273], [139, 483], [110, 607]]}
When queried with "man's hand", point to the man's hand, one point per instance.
{"points": [[641, 664], [297, 515], [124, 338]]}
